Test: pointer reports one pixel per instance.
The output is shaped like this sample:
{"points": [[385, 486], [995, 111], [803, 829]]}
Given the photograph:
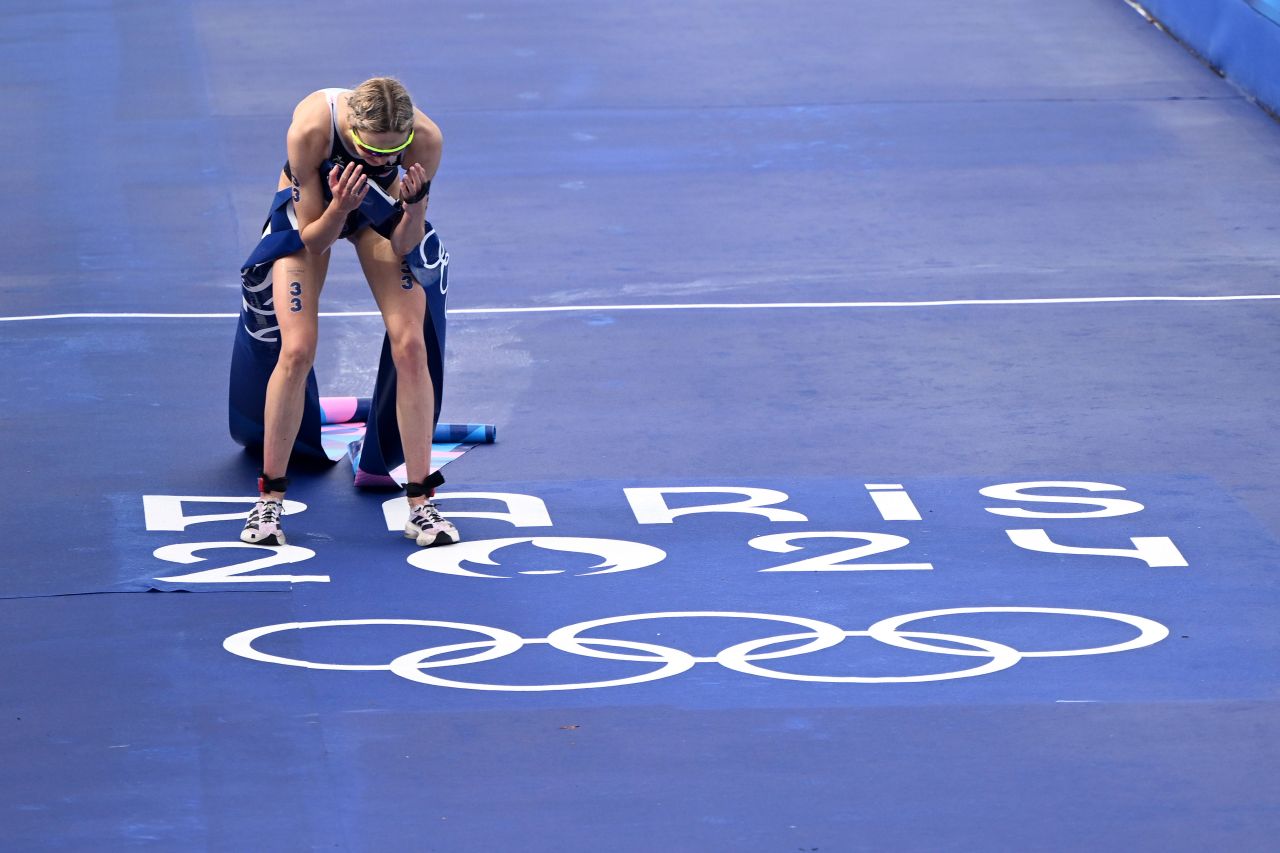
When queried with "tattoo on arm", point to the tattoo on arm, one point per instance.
{"points": [[297, 190]]}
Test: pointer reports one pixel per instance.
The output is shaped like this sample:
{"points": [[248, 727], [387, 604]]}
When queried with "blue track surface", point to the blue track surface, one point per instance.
{"points": [[854, 260]]}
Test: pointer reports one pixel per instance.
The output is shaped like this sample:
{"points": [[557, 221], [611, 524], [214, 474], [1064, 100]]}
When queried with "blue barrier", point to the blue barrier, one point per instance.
{"points": [[1240, 38]]}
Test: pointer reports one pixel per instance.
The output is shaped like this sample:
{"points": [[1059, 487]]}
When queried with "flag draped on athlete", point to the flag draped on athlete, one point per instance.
{"points": [[257, 348]]}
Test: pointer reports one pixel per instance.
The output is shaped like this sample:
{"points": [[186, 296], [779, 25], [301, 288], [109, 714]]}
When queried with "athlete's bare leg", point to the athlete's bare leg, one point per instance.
{"points": [[403, 310], [297, 280]]}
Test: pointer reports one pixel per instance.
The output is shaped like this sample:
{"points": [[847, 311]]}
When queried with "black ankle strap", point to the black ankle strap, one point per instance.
{"points": [[425, 489], [272, 484]]}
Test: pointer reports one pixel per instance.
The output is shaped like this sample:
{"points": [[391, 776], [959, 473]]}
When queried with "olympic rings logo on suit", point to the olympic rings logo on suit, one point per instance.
{"points": [[421, 665], [441, 262]]}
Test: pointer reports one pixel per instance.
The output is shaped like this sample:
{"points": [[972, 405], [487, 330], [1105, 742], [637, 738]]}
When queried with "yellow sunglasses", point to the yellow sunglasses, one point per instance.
{"points": [[367, 147]]}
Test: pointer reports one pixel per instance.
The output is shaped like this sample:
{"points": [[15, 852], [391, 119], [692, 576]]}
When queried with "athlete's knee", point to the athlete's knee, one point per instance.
{"points": [[409, 352], [297, 355]]}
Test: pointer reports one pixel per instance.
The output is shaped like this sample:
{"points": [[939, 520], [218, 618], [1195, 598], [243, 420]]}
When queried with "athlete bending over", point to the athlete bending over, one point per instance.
{"points": [[368, 133]]}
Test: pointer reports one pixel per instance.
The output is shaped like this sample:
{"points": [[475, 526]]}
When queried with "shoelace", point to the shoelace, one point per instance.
{"points": [[269, 512], [429, 513]]}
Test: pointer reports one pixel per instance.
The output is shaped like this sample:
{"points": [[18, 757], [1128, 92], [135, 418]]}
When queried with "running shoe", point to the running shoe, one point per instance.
{"points": [[426, 525], [263, 524]]}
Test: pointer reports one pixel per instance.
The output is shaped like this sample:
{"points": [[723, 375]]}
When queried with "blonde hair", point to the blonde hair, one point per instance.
{"points": [[381, 105]]}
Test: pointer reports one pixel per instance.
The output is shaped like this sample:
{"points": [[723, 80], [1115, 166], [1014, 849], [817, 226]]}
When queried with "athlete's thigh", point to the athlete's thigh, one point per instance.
{"points": [[296, 282], [402, 302]]}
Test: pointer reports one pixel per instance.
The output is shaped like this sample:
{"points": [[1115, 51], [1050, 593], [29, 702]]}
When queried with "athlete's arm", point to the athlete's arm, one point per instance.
{"points": [[420, 163], [319, 222]]}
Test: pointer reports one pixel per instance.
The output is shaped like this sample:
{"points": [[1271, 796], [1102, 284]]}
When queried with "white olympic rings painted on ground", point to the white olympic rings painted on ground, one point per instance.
{"points": [[1002, 657], [503, 642], [416, 665], [1150, 631]]}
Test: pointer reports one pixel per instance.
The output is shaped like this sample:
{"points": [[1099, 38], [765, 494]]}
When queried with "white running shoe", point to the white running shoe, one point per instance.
{"points": [[263, 525], [426, 525]]}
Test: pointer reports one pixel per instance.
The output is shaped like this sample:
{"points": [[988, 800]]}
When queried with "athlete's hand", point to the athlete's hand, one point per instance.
{"points": [[348, 186], [413, 180]]}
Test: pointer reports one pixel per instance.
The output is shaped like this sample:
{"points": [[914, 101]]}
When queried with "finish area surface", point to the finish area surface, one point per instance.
{"points": [[885, 398]]}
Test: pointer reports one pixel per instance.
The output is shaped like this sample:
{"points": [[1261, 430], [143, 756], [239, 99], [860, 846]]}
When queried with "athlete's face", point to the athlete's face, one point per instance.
{"points": [[373, 158]]}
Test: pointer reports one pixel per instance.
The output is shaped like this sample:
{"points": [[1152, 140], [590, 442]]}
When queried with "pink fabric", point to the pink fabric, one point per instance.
{"points": [[338, 410]]}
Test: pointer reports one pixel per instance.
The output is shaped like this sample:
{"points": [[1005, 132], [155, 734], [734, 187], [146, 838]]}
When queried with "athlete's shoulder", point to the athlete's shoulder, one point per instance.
{"points": [[426, 130], [310, 127], [311, 113]]}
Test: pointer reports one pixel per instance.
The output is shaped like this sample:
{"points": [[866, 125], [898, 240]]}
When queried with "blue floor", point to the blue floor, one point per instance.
{"points": [[848, 264]]}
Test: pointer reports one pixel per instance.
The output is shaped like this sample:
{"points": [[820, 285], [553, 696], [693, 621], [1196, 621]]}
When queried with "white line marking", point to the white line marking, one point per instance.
{"points": [[697, 306]]}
